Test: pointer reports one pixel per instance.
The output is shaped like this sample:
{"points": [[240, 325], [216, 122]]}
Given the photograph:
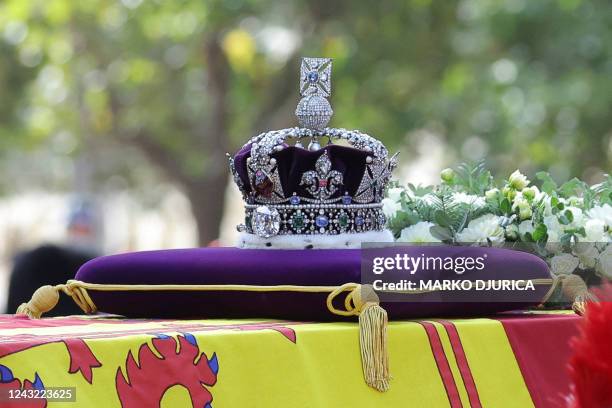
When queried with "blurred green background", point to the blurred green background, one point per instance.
{"points": [[137, 97]]}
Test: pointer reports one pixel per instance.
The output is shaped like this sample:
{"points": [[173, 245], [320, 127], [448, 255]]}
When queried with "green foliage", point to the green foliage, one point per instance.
{"points": [[450, 209], [472, 178]]}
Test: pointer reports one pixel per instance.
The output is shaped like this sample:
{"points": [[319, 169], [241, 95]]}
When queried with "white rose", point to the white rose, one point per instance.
{"points": [[390, 207], [553, 227], [539, 195], [548, 205], [470, 199], [492, 194], [481, 229], [595, 231], [530, 193], [578, 220], [603, 213], [418, 233], [519, 202], [512, 232], [564, 264], [525, 213], [518, 180]]}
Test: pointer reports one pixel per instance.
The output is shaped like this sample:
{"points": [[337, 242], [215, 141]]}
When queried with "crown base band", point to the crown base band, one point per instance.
{"points": [[332, 219]]}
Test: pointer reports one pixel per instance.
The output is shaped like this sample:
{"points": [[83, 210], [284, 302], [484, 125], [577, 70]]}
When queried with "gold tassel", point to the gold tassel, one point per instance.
{"points": [[363, 301], [575, 289], [373, 343], [44, 299]]}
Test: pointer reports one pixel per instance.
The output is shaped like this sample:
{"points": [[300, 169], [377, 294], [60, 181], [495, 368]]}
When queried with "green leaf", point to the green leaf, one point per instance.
{"points": [[539, 233], [505, 206], [548, 184], [442, 218], [571, 187], [441, 233]]}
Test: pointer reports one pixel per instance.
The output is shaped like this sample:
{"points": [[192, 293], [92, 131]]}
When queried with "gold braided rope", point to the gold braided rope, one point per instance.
{"points": [[46, 297]]}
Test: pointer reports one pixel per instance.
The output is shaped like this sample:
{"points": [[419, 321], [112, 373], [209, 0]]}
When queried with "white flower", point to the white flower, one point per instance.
{"points": [[539, 195], [521, 203], [390, 207], [492, 194], [525, 227], [518, 201], [470, 199], [481, 229], [578, 220], [554, 228], [603, 213], [518, 180], [418, 233], [564, 264], [530, 193], [525, 213], [547, 203], [395, 193], [512, 232], [594, 229]]}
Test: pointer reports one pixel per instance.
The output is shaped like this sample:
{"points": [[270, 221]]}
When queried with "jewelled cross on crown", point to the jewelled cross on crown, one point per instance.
{"points": [[313, 110], [315, 76]]}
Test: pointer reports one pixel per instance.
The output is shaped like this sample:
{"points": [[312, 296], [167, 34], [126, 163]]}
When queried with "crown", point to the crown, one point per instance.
{"points": [[332, 190]]}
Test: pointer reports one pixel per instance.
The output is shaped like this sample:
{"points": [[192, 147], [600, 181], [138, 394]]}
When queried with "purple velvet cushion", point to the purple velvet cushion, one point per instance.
{"points": [[332, 267]]}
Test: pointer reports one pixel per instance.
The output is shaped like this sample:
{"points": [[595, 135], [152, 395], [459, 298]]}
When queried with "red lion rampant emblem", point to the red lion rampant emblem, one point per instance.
{"points": [[8, 382], [144, 384]]}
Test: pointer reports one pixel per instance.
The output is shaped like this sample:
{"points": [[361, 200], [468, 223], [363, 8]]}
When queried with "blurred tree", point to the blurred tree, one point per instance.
{"points": [[524, 83]]}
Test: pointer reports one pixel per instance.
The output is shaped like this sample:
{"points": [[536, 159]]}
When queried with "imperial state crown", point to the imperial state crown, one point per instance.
{"points": [[316, 196]]}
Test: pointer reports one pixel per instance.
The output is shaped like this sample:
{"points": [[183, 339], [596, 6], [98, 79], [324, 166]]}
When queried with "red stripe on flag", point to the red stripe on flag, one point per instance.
{"points": [[443, 366], [462, 363], [541, 346]]}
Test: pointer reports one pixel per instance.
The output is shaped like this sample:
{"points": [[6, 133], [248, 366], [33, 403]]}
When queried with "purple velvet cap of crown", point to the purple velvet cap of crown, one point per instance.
{"points": [[332, 267], [294, 161]]}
